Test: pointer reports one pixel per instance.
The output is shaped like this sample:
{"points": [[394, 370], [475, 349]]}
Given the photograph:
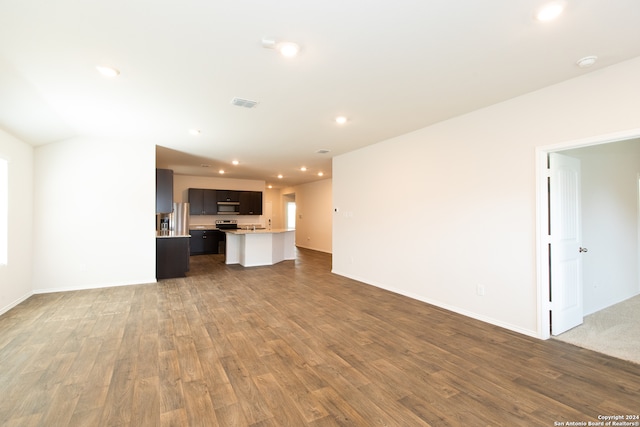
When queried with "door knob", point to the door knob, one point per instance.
{"points": [[583, 250]]}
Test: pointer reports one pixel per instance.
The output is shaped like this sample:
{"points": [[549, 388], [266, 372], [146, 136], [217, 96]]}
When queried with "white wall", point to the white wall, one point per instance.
{"points": [[609, 222], [314, 219], [94, 214], [463, 194], [273, 196], [15, 277], [314, 215]]}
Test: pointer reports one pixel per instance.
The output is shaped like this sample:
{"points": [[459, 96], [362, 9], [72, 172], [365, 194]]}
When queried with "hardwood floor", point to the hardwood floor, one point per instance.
{"points": [[287, 345]]}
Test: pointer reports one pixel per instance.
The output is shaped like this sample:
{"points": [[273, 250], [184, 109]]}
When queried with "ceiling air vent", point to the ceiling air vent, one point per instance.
{"points": [[322, 151], [246, 103]]}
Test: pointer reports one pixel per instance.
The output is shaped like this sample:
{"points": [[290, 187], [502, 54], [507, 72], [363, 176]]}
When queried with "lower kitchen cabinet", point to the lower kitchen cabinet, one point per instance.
{"points": [[205, 241], [172, 257]]}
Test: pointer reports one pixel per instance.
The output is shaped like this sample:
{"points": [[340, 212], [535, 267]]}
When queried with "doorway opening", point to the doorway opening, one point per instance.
{"points": [[291, 215], [289, 210], [545, 303]]}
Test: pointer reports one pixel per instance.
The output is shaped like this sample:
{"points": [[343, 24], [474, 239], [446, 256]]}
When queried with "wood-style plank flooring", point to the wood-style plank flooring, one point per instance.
{"points": [[287, 345]]}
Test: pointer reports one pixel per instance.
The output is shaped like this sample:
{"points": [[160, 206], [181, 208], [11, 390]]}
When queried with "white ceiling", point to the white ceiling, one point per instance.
{"points": [[389, 66]]}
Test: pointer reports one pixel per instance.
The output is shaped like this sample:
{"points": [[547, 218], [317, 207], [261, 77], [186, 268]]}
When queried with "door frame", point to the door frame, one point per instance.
{"points": [[542, 217]]}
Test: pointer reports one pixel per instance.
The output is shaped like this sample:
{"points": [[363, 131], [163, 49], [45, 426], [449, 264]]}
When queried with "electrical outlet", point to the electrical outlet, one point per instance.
{"points": [[480, 290]]}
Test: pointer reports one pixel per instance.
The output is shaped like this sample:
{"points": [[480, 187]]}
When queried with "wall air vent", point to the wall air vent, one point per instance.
{"points": [[322, 151], [246, 103]]}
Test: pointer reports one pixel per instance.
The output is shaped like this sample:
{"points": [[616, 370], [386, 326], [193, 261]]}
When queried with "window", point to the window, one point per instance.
{"points": [[4, 210]]}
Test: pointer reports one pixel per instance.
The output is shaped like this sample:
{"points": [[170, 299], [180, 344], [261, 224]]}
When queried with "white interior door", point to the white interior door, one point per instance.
{"points": [[566, 240]]}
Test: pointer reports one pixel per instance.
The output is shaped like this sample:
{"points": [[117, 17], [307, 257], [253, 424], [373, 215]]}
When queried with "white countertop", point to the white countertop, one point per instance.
{"points": [[214, 227], [259, 231]]}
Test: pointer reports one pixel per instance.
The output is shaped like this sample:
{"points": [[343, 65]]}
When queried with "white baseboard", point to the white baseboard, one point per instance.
{"points": [[94, 286], [313, 249], [14, 303]]}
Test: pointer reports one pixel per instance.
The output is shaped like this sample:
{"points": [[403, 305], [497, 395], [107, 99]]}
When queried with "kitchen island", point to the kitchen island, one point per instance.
{"points": [[251, 248]]}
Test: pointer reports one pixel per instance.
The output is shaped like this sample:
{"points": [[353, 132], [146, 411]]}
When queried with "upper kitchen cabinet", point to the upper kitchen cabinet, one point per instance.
{"points": [[250, 203], [224, 202], [164, 191], [202, 201], [228, 195]]}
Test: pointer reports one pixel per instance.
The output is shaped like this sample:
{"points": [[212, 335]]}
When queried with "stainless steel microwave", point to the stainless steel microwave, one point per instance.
{"points": [[228, 208]]}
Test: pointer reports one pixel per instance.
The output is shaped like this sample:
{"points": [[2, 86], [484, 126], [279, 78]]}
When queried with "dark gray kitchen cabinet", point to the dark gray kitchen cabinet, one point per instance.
{"points": [[164, 191], [228, 195], [205, 201], [205, 241], [202, 201], [172, 257], [256, 202], [196, 201], [250, 203]]}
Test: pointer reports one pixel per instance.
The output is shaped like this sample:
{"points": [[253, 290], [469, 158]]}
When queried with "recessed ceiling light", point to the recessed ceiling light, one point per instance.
{"points": [[303, 169], [280, 177], [195, 132], [587, 61], [341, 120], [550, 11], [108, 71], [221, 171], [235, 163], [288, 49], [269, 186], [320, 174]]}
